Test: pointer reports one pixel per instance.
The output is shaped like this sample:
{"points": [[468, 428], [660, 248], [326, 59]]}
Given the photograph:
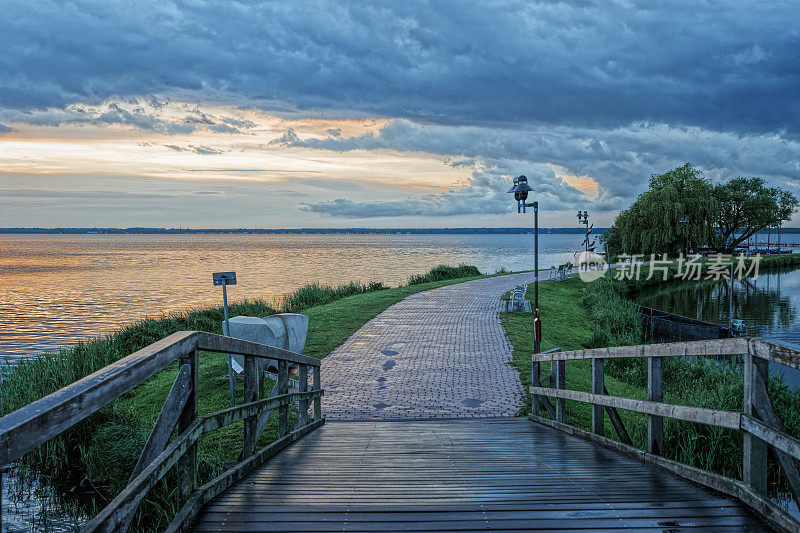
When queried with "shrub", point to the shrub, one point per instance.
{"points": [[444, 272], [316, 294]]}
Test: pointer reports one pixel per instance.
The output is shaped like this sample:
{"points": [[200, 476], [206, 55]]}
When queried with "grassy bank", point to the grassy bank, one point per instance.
{"points": [[579, 315], [100, 452], [565, 325]]}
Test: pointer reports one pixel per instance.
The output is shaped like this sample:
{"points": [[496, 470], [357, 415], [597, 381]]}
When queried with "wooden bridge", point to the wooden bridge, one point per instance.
{"points": [[457, 475]]}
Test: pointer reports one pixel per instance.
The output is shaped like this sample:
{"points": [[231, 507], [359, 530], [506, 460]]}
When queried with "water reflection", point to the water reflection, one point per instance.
{"points": [[760, 302], [769, 306]]}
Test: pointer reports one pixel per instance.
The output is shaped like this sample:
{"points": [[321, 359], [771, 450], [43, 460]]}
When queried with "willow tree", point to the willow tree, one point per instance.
{"points": [[651, 225]]}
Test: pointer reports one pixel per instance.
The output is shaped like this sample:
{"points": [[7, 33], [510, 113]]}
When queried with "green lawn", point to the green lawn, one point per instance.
{"points": [[566, 325]]}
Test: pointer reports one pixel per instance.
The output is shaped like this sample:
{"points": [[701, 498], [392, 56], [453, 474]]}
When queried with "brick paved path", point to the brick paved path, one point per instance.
{"points": [[437, 354]]}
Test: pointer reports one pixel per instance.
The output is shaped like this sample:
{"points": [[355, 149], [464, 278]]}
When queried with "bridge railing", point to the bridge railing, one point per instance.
{"points": [[27, 428], [758, 422]]}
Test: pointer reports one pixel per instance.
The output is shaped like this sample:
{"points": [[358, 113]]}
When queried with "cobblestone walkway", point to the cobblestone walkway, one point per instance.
{"points": [[437, 354]]}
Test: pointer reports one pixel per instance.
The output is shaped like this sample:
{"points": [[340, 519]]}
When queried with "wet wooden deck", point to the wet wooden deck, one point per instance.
{"points": [[462, 475]]}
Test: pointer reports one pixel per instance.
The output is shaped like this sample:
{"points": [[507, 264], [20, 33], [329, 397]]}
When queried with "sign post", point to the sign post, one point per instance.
{"points": [[225, 279]]}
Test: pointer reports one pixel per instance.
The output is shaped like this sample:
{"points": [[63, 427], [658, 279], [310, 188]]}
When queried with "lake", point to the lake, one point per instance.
{"points": [[769, 305], [58, 289]]}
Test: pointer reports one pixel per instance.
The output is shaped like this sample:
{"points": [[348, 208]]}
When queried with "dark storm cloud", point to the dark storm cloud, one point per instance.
{"points": [[621, 160], [482, 194], [138, 113], [731, 66]]}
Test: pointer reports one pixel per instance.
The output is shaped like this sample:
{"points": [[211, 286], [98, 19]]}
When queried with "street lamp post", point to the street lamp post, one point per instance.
{"points": [[685, 222], [521, 190]]}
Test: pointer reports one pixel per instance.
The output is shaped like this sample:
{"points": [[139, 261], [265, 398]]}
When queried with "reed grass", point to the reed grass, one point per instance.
{"points": [[315, 294]]}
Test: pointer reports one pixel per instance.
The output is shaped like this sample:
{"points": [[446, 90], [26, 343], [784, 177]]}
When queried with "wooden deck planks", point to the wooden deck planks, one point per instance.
{"points": [[462, 475]]}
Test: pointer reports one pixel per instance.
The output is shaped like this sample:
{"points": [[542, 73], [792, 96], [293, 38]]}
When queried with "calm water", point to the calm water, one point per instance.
{"points": [[57, 289], [769, 305]]}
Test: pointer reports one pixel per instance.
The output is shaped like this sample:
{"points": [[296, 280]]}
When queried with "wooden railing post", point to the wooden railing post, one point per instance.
{"points": [[250, 393], [302, 403], [598, 419], [655, 393], [536, 382], [754, 464], [561, 379], [317, 401], [187, 465], [283, 388]]}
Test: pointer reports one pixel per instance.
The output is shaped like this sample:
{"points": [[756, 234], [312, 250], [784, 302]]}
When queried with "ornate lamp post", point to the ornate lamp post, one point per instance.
{"points": [[521, 190], [584, 219]]}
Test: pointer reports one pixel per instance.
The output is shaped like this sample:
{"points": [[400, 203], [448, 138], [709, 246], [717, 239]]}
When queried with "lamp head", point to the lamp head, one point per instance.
{"points": [[521, 188], [514, 187]]}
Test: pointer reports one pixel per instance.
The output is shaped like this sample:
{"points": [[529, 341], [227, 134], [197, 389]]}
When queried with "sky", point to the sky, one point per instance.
{"points": [[386, 114]]}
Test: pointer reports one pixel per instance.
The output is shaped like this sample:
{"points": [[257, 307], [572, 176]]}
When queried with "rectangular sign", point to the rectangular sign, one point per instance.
{"points": [[229, 277]]}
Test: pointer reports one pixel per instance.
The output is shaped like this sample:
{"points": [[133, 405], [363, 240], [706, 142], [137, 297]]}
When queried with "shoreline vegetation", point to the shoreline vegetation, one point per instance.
{"points": [[577, 315], [89, 464]]}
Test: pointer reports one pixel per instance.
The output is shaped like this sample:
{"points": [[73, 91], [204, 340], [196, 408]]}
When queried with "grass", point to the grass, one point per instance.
{"points": [[578, 315], [564, 326], [101, 451]]}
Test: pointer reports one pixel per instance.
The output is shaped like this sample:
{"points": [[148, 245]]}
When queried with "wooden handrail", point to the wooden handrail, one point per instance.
{"points": [[758, 422], [129, 498], [776, 439], [32, 425], [699, 415], [734, 346], [775, 353], [762, 349]]}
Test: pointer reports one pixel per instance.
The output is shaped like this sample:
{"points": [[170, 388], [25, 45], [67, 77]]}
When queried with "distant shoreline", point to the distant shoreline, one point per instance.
{"points": [[298, 231]]}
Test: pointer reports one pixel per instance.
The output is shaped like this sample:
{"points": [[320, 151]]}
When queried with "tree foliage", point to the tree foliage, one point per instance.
{"points": [[652, 223], [747, 206], [720, 216]]}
